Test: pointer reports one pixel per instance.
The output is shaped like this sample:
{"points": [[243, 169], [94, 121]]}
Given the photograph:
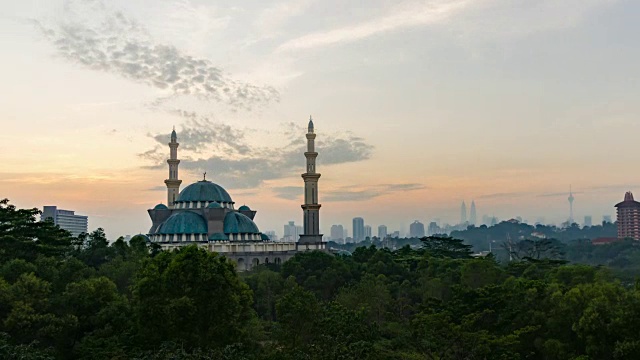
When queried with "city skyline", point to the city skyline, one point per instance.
{"points": [[504, 101]]}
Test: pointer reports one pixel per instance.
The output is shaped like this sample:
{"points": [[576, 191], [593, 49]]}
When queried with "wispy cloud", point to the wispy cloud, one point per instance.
{"points": [[288, 192], [233, 161], [94, 36], [559, 194], [369, 192], [502, 195], [614, 188], [406, 16]]}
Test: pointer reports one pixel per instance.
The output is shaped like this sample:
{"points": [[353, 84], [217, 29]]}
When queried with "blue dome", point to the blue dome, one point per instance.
{"points": [[214, 205], [244, 208], [204, 191], [160, 207], [265, 237], [236, 223], [218, 237], [184, 222]]}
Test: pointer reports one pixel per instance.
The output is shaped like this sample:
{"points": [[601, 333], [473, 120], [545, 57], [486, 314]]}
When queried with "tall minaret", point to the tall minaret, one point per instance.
{"points": [[571, 198], [311, 208], [173, 184]]}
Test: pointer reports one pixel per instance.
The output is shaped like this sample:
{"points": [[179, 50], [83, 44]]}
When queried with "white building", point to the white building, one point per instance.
{"points": [[66, 219]]}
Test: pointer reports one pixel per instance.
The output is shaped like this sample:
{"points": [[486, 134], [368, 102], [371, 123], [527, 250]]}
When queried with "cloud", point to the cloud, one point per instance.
{"points": [[416, 14], [502, 195], [368, 193], [96, 37], [271, 19], [614, 188], [289, 192], [201, 134], [235, 163], [560, 194], [468, 20]]}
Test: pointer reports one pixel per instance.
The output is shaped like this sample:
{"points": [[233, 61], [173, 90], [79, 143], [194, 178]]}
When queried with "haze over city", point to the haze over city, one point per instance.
{"points": [[418, 105]]}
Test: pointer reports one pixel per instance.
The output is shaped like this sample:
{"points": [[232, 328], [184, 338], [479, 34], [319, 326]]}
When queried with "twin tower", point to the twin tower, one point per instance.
{"points": [[310, 208]]}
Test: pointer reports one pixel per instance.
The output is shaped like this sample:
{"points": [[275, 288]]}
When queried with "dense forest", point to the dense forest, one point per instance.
{"points": [[89, 298]]}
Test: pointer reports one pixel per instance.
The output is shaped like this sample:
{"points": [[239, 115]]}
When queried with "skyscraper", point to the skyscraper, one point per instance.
{"points": [[416, 229], [606, 218], [463, 213], [472, 213], [337, 233], [433, 228], [588, 221], [311, 207], [628, 218], [292, 231], [367, 231], [571, 198], [358, 229], [66, 219], [382, 231]]}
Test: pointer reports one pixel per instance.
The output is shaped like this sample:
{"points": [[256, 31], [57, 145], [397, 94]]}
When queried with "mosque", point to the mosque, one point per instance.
{"points": [[204, 213]]}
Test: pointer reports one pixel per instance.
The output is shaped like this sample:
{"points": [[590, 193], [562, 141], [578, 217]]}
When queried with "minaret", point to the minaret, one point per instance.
{"points": [[463, 213], [311, 208], [173, 184], [472, 213], [571, 198]]}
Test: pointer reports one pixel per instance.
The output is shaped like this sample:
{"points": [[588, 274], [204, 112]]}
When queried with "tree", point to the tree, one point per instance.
{"points": [[445, 247], [193, 297], [297, 312], [23, 237]]}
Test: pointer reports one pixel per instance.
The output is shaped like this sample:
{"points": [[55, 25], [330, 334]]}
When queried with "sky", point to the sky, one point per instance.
{"points": [[417, 105]]}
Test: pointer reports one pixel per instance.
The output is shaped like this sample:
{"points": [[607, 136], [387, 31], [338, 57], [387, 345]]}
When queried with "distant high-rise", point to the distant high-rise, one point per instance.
{"points": [[571, 198], [337, 233], [416, 229], [272, 235], [472, 213], [463, 213], [588, 221], [292, 231], [367, 232], [433, 228], [606, 219], [382, 231], [628, 218], [358, 229], [66, 219]]}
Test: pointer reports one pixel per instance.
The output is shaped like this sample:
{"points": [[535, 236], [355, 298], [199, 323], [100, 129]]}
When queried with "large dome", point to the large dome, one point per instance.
{"points": [[236, 223], [184, 222], [204, 191]]}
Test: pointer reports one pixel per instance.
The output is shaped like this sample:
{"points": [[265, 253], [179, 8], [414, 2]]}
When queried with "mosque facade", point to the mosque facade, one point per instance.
{"points": [[203, 213]]}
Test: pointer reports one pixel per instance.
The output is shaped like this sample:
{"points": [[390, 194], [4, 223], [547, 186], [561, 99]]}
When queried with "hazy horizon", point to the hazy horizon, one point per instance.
{"points": [[418, 105]]}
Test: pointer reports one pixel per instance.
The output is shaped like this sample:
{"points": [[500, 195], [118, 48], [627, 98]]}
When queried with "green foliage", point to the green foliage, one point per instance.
{"points": [[88, 298], [192, 297]]}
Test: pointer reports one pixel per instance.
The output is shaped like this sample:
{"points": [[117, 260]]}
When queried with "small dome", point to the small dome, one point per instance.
{"points": [[218, 237], [204, 191], [184, 222], [237, 223], [142, 237], [265, 237], [160, 207], [244, 208], [214, 205]]}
